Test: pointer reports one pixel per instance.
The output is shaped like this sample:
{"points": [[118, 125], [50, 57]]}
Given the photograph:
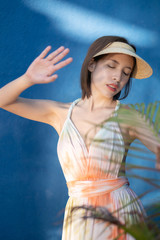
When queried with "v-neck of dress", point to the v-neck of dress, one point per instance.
{"points": [[76, 129]]}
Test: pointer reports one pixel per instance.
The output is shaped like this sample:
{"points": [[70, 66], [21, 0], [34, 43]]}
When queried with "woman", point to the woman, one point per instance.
{"points": [[92, 168]]}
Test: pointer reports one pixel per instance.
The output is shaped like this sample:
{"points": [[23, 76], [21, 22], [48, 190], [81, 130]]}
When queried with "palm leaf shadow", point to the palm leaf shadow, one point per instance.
{"points": [[147, 118]]}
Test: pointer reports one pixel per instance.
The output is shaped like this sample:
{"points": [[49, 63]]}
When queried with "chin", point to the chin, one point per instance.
{"points": [[110, 95]]}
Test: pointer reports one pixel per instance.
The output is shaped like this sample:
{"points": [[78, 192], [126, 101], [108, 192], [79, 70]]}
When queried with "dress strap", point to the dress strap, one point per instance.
{"points": [[72, 106], [116, 108], [77, 100]]}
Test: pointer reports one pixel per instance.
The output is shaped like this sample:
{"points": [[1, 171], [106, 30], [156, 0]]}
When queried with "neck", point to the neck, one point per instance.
{"points": [[95, 103]]}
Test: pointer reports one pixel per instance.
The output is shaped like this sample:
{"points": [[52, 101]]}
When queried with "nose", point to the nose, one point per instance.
{"points": [[117, 76]]}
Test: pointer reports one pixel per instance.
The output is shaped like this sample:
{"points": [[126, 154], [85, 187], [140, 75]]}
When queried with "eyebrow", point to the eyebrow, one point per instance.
{"points": [[118, 63]]}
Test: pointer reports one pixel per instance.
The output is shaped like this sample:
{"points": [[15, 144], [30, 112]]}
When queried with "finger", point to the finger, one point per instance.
{"points": [[55, 53], [63, 64], [60, 56], [51, 78], [45, 52]]}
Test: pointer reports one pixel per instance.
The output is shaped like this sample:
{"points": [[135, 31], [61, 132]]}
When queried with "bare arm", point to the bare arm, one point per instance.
{"points": [[143, 131], [42, 70]]}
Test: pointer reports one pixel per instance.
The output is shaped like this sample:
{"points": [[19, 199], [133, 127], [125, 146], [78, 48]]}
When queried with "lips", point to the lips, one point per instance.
{"points": [[112, 87]]}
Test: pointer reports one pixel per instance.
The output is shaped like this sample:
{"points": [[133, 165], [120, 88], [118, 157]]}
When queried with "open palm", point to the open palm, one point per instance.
{"points": [[42, 69]]}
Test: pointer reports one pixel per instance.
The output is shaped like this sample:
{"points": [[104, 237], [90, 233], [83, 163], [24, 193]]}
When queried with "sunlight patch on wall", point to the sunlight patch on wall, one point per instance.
{"points": [[84, 25]]}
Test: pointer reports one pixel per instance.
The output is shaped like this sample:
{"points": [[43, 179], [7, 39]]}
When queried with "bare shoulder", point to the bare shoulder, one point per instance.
{"points": [[60, 106], [128, 117], [133, 120], [61, 110]]}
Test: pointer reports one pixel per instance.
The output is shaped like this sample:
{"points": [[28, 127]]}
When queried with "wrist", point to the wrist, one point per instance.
{"points": [[27, 79]]}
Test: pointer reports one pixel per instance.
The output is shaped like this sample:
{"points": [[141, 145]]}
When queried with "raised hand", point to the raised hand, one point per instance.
{"points": [[42, 69]]}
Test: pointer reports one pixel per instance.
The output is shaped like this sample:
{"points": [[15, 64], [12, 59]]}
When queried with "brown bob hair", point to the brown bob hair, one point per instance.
{"points": [[97, 46]]}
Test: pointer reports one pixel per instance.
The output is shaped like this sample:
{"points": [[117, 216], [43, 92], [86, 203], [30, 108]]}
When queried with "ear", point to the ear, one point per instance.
{"points": [[91, 65]]}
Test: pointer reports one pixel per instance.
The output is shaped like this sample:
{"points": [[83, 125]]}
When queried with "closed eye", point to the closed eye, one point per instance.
{"points": [[110, 66], [127, 74]]}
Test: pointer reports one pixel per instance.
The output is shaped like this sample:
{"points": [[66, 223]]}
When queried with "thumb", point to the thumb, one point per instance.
{"points": [[51, 78]]}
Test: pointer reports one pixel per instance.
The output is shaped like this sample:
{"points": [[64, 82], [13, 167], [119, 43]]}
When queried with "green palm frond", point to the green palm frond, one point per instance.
{"points": [[150, 112], [147, 117], [147, 230]]}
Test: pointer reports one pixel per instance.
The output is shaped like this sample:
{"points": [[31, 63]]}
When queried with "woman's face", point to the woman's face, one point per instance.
{"points": [[110, 74]]}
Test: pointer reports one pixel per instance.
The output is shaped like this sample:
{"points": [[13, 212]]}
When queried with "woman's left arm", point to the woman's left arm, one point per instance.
{"points": [[145, 132]]}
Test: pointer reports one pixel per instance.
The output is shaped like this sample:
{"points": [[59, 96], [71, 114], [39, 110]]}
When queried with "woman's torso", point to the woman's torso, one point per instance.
{"points": [[85, 123], [77, 125]]}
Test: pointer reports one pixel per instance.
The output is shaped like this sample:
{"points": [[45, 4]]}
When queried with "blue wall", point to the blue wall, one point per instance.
{"points": [[33, 191]]}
